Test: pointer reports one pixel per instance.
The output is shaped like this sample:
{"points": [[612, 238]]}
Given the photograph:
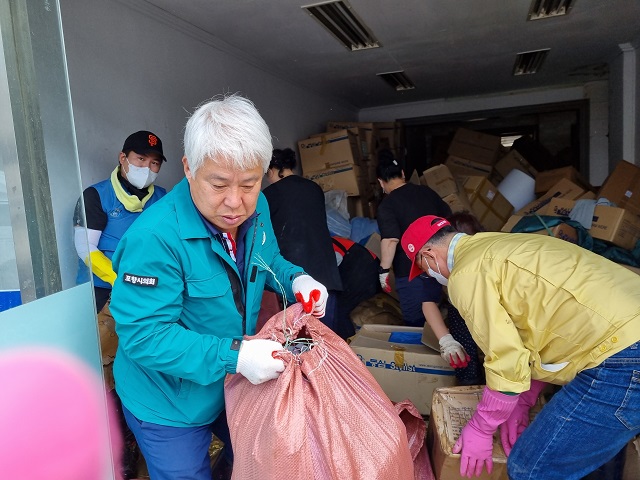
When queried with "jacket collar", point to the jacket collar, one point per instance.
{"points": [[190, 225]]}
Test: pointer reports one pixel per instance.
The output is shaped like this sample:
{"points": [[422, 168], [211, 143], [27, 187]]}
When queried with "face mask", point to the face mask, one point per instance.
{"points": [[441, 279], [140, 177]]}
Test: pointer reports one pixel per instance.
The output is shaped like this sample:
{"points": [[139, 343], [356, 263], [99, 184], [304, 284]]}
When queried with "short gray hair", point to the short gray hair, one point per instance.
{"points": [[229, 131]]}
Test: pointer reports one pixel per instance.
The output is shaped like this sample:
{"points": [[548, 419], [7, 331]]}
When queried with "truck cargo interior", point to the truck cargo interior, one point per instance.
{"points": [[523, 116]]}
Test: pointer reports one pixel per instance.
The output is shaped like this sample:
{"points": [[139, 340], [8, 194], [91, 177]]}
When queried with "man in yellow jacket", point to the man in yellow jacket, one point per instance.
{"points": [[543, 311]]}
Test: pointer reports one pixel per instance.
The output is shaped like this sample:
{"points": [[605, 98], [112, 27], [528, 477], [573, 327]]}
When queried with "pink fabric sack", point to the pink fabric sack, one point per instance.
{"points": [[416, 433], [324, 418]]}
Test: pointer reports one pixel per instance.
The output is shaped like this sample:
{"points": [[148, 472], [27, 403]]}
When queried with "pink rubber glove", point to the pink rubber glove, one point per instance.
{"points": [[476, 440], [511, 430], [311, 294]]}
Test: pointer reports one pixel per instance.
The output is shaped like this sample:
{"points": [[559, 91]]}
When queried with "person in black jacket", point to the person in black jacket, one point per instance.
{"points": [[299, 221], [358, 267], [419, 300]]}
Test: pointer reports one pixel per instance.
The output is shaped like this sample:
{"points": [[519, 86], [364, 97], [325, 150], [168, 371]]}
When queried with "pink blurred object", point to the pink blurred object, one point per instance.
{"points": [[325, 417], [416, 432], [53, 418]]}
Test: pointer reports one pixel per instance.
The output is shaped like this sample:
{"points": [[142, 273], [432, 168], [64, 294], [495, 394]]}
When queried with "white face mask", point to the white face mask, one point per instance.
{"points": [[140, 177], [441, 279]]}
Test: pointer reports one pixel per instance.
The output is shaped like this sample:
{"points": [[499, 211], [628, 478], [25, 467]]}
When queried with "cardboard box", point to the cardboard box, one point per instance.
{"points": [[612, 224], [364, 130], [589, 195], [429, 338], [632, 461], [360, 207], [622, 187], [547, 179], [513, 220], [388, 135], [329, 151], [458, 202], [371, 167], [345, 178], [461, 167], [450, 411], [373, 244], [475, 146], [415, 178], [489, 206], [440, 179], [513, 161], [562, 230], [563, 189], [403, 371]]}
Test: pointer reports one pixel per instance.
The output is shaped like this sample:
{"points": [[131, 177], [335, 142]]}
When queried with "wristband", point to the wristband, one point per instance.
{"points": [[382, 270]]}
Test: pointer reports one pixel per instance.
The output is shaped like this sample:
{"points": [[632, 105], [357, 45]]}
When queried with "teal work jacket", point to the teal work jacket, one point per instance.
{"points": [[175, 312]]}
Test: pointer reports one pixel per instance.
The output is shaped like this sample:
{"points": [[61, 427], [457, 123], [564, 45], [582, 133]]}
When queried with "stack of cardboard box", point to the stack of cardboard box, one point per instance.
{"points": [[618, 225], [463, 180], [471, 193], [334, 168], [473, 153], [333, 160], [476, 165], [404, 370], [511, 161]]}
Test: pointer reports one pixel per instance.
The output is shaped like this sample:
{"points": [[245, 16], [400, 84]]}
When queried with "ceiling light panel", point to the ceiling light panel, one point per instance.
{"points": [[398, 80], [549, 8], [339, 18], [529, 62]]}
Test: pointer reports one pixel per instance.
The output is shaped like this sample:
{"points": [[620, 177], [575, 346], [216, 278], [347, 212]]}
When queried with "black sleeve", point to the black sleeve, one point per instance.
{"points": [[95, 215], [271, 195], [387, 221]]}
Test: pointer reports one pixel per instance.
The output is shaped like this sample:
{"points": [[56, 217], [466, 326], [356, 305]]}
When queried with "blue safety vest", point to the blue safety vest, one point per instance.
{"points": [[119, 219]]}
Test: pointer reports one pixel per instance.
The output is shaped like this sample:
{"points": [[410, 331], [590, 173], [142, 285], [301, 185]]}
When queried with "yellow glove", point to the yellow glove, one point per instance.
{"points": [[101, 266]]}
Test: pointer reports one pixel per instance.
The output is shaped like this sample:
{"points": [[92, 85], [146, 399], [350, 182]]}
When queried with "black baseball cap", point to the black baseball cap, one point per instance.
{"points": [[143, 142]]}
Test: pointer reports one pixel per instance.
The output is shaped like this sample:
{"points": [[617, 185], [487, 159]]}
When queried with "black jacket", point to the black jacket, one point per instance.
{"points": [[299, 221]]}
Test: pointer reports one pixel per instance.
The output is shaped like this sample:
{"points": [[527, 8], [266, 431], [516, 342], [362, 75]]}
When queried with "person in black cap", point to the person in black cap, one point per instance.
{"points": [[110, 207]]}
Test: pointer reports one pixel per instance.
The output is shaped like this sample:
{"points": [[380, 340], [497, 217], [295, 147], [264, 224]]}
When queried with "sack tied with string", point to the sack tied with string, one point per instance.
{"points": [[325, 417]]}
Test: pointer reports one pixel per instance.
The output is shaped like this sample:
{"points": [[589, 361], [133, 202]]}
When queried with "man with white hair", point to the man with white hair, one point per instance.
{"points": [[191, 272]]}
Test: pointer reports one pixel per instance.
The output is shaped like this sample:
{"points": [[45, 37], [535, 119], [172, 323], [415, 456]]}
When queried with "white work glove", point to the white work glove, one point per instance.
{"points": [[311, 294], [452, 352], [256, 362], [383, 276]]}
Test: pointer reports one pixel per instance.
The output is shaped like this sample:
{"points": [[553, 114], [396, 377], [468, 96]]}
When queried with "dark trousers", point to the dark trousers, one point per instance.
{"points": [[179, 452], [473, 373]]}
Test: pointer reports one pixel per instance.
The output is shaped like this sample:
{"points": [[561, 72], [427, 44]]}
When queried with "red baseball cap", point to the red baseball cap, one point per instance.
{"points": [[419, 233]]}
